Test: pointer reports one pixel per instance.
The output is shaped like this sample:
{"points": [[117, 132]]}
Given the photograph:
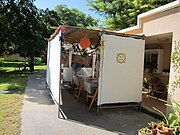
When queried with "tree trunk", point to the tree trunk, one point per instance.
{"points": [[31, 64]]}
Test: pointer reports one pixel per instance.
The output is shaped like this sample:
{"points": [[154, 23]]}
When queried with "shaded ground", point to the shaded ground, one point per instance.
{"points": [[118, 120], [39, 114]]}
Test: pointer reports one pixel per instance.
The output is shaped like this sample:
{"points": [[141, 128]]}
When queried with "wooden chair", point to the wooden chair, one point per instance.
{"points": [[77, 89], [93, 98], [80, 88]]}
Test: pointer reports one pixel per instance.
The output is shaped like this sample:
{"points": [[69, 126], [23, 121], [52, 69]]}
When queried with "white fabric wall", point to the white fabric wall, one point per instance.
{"points": [[53, 67], [120, 83]]}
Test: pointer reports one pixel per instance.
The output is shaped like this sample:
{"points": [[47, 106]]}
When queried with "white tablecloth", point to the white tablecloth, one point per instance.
{"points": [[90, 84]]}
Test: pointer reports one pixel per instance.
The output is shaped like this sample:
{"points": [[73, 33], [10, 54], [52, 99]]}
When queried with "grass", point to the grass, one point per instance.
{"points": [[13, 81], [11, 104], [40, 67], [10, 108], [13, 66]]}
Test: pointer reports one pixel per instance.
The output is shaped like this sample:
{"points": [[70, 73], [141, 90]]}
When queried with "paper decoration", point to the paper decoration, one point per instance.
{"points": [[121, 58], [63, 33], [85, 42]]}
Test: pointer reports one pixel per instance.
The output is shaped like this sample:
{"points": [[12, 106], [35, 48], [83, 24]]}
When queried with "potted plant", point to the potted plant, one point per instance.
{"points": [[162, 129], [150, 66], [146, 83], [152, 126], [145, 131], [170, 124]]}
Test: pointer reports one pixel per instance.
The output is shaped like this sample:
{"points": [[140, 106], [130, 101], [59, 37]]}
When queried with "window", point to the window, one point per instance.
{"points": [[154, 59]]}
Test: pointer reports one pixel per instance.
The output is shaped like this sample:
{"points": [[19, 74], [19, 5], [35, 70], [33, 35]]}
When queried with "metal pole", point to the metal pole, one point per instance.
{"points": [[60, 85]]}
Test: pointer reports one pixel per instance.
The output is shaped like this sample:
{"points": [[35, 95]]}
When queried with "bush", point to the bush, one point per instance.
{"points": [[1, 61], [37, 61]]}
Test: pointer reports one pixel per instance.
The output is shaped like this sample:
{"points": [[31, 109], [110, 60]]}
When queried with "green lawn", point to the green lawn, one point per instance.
{"points": [[40, 67], [13, 81], [11, 104], [14, 66]]}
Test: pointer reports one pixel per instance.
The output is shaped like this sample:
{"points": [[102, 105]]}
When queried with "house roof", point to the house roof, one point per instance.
{"points": [[74, 34], [150, 13]]}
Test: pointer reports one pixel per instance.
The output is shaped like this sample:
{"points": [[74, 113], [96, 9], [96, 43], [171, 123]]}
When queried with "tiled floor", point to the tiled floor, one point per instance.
{"points": [[149, 102]]}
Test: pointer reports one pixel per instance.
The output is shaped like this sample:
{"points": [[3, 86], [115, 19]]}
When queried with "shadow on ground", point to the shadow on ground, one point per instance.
{"points": [[36, 90], [119, 120]]}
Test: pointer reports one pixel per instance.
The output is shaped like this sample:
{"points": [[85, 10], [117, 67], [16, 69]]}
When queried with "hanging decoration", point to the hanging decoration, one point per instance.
{"points": [[62, 64], [63, 55], [84, 54], [85, 42], [63, 33], [83, 47], [121, 58], [76, 48]]}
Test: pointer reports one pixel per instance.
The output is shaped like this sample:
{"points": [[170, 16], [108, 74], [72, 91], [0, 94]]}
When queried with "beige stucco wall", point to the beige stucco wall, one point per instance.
{"points": [[162, 23], [166, 56], [174, 93], [165, 22], [135, 31]]}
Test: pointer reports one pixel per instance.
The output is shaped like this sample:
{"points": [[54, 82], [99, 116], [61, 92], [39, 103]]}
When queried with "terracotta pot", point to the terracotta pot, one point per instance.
{"points": [[154, 131], [170, 131], [162, 132]]}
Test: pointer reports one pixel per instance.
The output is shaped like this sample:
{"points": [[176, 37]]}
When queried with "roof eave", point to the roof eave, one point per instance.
{"points": [[150, 13]]}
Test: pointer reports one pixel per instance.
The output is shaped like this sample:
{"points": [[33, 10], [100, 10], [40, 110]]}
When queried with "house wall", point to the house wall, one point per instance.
{"points": [[164, 22], [135, 31], [174, 92]]}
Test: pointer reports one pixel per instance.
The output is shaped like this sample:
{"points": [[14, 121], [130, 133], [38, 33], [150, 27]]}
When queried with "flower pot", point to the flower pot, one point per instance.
{"points": [[170, 131], [162, 131], [154, 131]]}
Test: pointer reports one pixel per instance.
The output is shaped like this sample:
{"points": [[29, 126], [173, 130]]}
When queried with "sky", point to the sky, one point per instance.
{"points": [[79, 4]]}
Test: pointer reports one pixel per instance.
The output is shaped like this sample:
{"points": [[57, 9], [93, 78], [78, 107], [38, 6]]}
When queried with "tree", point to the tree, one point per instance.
{"points": [[73, 17], [24, 27], [23, 30], [121, 14]]}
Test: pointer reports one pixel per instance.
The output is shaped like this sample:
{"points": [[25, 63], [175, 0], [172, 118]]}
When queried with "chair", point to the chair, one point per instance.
{"points": [[93, 97], [77, 85], [80, 88], [77, 90]]}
